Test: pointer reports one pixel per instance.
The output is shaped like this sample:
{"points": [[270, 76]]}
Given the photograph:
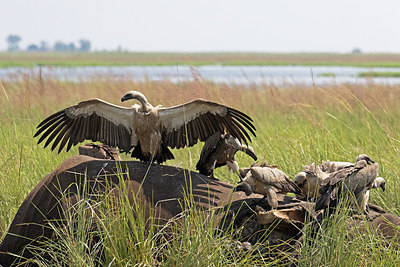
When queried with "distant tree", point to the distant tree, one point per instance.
{"points": [[71, 47], [356, 51], [60, 47], [63, 47], [13, 41], [32, 48], [84, 45], [44, 46]]}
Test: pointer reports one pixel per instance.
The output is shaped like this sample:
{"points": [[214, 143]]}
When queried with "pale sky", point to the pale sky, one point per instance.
{"points": [[207, 25]]}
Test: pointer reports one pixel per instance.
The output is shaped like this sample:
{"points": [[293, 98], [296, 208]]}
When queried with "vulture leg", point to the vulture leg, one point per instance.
{"points": [[271, 197]]}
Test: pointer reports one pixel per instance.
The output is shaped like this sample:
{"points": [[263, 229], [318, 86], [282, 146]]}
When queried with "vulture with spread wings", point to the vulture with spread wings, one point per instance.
{"points": [[143, 130]]}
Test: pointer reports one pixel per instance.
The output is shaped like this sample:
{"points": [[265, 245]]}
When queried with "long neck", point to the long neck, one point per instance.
{"points": [[146, 106]]}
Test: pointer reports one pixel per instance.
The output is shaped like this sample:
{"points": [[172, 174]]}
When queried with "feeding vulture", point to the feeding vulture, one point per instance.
{"points": [[353, 181], [311, 178], [267, 181], [220, 150], [145, 130]]}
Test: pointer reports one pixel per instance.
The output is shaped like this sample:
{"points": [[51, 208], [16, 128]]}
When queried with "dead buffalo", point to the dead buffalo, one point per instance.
{"points": [[156, 187], [161, 188]]}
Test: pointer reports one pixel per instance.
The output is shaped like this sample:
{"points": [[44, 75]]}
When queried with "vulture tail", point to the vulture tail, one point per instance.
{"points": [[165, 154], [137, 153]]}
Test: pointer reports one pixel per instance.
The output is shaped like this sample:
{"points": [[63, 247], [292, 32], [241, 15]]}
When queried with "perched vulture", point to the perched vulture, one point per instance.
{"points": [[219, 150], [352, 181], [311, 178], [267, 181], [332, 166], [143, 130], [309, 181], [244, 171]]}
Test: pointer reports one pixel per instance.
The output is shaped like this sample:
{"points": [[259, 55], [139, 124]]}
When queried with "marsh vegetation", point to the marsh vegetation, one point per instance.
{"points": [[295, 126]]}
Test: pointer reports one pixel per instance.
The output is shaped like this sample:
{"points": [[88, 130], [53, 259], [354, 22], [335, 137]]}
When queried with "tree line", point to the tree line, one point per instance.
{"points": [[13, 42]]}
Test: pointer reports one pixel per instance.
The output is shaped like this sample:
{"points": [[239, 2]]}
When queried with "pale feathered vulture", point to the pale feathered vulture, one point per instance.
{"points": [[267, 181], [143, 130], [219, 150], [311, 178], [352, 181]]}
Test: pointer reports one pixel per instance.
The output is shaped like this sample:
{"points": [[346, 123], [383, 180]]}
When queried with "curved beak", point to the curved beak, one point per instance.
{"points": [[126, 97], [383, 187], [369, 161], [250, 151]]}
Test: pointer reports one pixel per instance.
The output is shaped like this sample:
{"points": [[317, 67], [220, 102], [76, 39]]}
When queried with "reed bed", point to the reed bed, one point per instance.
{"points": [[296, 125]]}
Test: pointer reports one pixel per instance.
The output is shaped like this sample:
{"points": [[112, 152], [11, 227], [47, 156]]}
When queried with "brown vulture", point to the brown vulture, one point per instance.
{"points": [[267, 181], [145, 131], [353, 181], [219, 150]]}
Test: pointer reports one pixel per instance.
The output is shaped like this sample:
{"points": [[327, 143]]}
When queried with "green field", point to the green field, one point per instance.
{"points": [[379, 74], [295, 126], [26, 59]]}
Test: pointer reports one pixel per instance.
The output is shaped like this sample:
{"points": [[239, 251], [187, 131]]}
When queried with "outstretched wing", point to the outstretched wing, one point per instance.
{"points": [[197, 120], [94, 120]]}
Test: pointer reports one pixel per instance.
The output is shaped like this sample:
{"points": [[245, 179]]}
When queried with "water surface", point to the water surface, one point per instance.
{"points": [[290, 75]]}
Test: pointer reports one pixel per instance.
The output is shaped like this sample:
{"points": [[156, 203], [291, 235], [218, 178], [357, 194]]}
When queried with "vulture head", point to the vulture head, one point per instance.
{"points": [[379, 182], [250, 151], [239, 146], [146, 106], [245, 187], [309, 181], [364, 157]]}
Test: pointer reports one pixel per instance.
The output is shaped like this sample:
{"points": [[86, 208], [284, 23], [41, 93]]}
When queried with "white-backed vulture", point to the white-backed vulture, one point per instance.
{"points": [[219, 150], [311, 178], [309, 181], [332, 166], [243, 171], [148, 130], [267, 181], [352, 181]]}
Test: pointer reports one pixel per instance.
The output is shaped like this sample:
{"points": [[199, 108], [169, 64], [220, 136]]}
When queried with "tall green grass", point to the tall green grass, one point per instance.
{"points": [[295, 126]]}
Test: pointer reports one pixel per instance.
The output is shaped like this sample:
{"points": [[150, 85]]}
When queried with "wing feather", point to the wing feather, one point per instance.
{"points": [[203, 119], [94, 120], [209, 146]]}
